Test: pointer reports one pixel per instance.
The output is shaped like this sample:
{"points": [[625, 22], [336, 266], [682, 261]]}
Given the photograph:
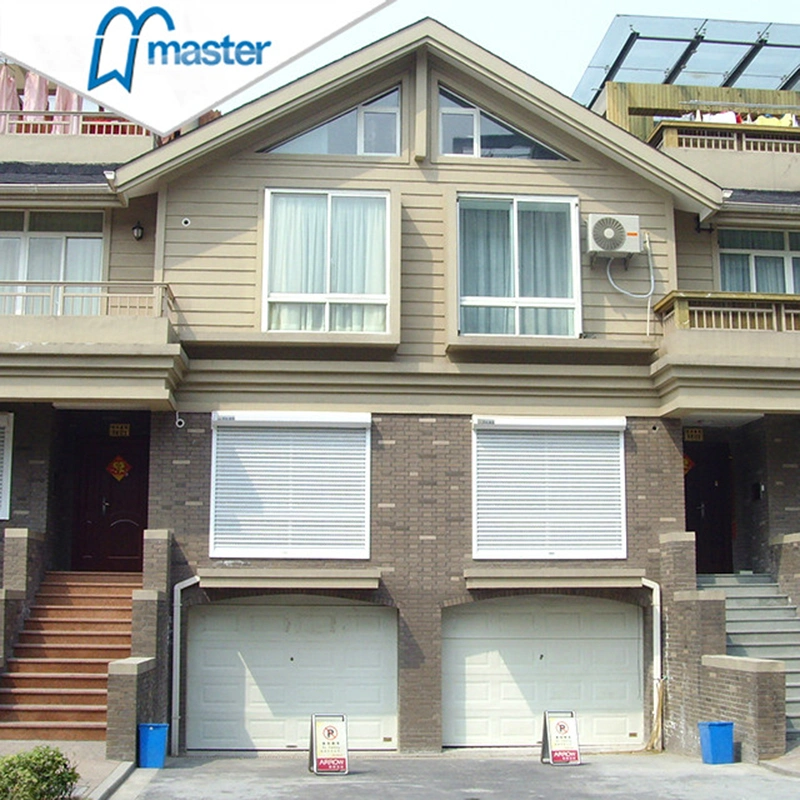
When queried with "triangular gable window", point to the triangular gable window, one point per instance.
{"points": [[369, 129], [466, 130]]}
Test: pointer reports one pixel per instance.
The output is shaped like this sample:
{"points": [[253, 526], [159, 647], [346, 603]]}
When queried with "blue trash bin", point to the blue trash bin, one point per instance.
{"points": [[153, 745], [716, 742]]}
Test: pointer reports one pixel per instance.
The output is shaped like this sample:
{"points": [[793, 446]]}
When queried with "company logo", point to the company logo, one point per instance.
{"points": [[209, 53]]}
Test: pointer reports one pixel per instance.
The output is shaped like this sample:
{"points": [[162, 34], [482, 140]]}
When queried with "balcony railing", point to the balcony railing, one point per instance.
{"points": [[106, 299], [723, 137], [729, 311], [80, 123]]}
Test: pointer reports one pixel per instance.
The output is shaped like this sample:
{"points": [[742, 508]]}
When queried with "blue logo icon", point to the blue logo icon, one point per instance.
{"points": [[137, 23]]}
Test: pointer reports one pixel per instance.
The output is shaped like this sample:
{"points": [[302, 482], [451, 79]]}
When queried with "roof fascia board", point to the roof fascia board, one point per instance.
{"points": [[692, 192], [67, 194]]}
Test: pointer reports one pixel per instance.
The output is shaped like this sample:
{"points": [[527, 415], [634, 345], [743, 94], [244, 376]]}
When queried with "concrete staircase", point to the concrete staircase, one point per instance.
{"points": [[762, 623], [55, 685]]}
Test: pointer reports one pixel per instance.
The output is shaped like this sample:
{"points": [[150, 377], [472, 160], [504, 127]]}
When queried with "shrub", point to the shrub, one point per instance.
{"points": [[43, 773]]}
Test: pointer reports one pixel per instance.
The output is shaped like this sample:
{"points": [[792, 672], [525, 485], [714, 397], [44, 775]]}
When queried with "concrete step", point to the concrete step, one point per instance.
{"points": [[92, 681], [790, 656], [65, 731], [52, 696], [734, 579], [761, 614], [748, 601], [749, 638], [740, 591]]}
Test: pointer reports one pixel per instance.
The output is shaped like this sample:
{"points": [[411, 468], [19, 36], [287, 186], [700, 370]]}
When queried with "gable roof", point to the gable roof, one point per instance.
{"points": [[239, 128]]}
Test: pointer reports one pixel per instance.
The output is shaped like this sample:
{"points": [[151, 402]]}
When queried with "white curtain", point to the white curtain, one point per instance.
{"points": [[770, 276], [83, 264], [9, 271], [67, 100], [9, 97], [297, 259], [734, 272], [358, 261]]}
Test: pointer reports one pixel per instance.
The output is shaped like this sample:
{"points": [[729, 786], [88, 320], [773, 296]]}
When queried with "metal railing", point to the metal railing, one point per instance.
{"points": [[80, 123], [729, 311], [92, 299]]}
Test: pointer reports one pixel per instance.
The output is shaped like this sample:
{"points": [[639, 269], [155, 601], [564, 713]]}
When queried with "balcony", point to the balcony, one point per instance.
{"points": [[74, 136]]}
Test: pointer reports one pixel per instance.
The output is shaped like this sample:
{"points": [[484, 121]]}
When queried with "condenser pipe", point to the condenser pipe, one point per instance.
{"points": [[177, 600]]}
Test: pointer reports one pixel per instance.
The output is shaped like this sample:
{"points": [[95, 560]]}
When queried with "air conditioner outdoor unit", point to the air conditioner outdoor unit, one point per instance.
{"points": [[613, 233]]}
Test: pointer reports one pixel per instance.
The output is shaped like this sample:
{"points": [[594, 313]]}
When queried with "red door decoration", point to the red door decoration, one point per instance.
{"points": [[118, 468]]}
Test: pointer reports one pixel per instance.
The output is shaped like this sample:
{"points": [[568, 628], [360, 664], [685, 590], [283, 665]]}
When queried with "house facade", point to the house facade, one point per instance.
{"points": [[351, 385]]}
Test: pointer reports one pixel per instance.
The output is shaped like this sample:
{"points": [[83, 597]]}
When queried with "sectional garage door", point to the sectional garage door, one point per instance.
{"points": [[256, 673], [507, 661]]}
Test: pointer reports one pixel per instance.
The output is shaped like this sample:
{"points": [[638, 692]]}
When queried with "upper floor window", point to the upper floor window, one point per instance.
{"points": [[50, 247], [519, 266], [759, 261], [466, 130], [327, 262], [372, 128]]}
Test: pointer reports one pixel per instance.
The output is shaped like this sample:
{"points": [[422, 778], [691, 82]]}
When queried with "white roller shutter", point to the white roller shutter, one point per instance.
{"points": [[545, 492], [505, 662], [290, 490], [256, 674]]}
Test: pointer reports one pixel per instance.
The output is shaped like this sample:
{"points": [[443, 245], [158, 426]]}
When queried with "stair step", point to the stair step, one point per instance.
{"points": [[52, 713], [57, 651], [751, 638], [52, 696], [65, 665], [73, 624], [86, 638], [87, 589], [735, 579], [87, 612], [58, 680], [758, 614], [78, 600], [92, 577], [751, 591], [752, 602], [66, 731]]}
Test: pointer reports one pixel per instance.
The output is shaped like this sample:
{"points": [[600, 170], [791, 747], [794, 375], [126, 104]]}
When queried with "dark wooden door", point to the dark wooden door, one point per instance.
{"points": [[709, 504], [111, 512]]}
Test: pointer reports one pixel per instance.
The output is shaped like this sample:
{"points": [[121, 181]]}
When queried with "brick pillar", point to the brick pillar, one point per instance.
{"points": [[786, 557], [23, 566], [130, 702]]}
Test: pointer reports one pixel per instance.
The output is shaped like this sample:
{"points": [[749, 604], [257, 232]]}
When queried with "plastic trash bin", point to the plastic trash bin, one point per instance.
{"points": [[716, 742], [153, 744]]}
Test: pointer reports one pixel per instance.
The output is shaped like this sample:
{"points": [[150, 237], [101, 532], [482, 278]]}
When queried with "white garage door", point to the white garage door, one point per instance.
{"points": [[505, 662], [256, 673]]}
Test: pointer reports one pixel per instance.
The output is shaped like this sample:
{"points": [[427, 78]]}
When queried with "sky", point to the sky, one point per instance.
{"points": [[553, 40]]}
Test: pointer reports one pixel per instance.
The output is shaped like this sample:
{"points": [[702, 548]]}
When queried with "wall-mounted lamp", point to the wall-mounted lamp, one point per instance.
{"points": [[138, 231], [703, 228]]}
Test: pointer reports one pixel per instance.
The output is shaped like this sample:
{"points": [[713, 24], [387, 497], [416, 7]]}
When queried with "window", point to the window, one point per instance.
{"points": [[519, 266], [327, 262], [759, 261], [549, 488], [42, 248], [6, 437], [372, 128], [466, 130], [290, 485]]}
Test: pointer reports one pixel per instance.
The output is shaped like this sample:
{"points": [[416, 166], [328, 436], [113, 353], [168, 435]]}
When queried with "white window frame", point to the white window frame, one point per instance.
{"points": [[484, 517], [7, 427], [518, 303], [327, 298], [222, 543], [786, 254]]}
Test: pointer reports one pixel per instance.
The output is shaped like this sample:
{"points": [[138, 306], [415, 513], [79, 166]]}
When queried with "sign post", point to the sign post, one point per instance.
{"points": [[560, 738], [327, 753]]}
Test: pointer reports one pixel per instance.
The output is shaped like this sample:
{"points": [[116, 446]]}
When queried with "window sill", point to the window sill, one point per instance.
{"points": [[468, 342], [543, 578], [297, 578], [384, 341]]}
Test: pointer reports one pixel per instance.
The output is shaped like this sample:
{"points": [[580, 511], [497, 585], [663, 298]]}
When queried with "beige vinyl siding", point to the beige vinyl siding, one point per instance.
{"points": [[130, 260], [695, 255], [214, 265]]}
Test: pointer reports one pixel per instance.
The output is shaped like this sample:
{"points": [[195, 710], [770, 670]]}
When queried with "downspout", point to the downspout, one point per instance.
{"points": [[177, 599], [658, 682]]}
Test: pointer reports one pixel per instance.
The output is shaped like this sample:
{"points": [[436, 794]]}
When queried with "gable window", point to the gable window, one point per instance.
{"points": [[290, 485], [759, 261], [519, 262], [466, 130], [52, 254], [327, 261], [6, 437], [549, 488], [372, 128]]}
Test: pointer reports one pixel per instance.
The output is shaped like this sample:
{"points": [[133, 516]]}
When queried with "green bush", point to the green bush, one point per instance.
{"points": [[43, 773]]}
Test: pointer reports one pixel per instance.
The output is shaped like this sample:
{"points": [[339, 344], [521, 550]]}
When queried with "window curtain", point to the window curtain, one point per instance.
{"points": [[734, 272], [83, 264], [9, 98], [358, 261], [770, 276], [9, 271], [297, 259]]}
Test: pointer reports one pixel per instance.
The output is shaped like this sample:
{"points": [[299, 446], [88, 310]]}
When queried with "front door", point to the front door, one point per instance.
{"points": [[709, 504], [111, 507]]}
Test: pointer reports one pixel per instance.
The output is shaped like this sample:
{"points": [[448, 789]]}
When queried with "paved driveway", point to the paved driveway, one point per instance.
{"points": [[459, 777]]}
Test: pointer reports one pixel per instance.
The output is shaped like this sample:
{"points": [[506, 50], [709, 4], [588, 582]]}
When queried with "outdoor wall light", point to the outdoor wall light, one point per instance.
{"points": [[138, 231]]}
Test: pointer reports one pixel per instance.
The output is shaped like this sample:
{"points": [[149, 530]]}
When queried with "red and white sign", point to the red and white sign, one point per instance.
{"points": [[328, 751], [560, 738], [164, 63]]}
